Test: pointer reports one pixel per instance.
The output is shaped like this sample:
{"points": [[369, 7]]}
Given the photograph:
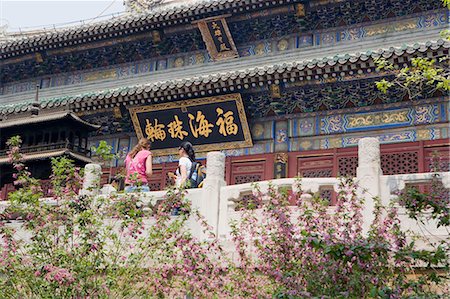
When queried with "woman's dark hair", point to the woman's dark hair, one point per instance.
{"points": [[189, 149]]}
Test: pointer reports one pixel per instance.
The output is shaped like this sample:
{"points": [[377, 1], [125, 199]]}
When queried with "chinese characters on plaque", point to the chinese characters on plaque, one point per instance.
{"points": [[213, 123], [217, 38]]}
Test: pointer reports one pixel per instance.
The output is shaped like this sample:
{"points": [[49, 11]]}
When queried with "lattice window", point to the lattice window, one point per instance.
{"points": [[169, 181], [442, 166], [246, 201], [399, 163], [247, 178], [154, 186], [347, 166], [437, 160], [327, 195], [317, 173]]}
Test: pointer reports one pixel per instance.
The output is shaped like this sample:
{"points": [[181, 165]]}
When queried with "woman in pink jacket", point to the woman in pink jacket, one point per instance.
{"points": [[138, 164]]}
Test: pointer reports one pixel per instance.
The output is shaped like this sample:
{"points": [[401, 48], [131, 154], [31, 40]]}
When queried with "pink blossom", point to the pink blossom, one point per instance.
{"points": [[60, 275]]}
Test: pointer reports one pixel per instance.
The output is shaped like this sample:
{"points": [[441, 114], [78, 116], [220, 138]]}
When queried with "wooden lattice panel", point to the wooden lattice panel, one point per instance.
{"points": [[315, 162], [437, 158], [328, 194], [248, 172], [400, 163], [155, 180], [347, 166], [165, 180], [317, 173], [247, 178], [155, 186], [245, 202], [248, 167], [315, 167], [168, 181]]}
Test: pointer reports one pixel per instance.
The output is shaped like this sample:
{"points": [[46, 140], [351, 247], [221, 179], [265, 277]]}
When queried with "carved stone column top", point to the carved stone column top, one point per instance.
{"points": [[92, 175], [368, 151], [215, 165]]}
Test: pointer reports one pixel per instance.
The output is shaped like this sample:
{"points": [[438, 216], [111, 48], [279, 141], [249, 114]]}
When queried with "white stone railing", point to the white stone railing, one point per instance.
{"points": [[217, 202], [398, 182], [230, 196], [392, 184]]}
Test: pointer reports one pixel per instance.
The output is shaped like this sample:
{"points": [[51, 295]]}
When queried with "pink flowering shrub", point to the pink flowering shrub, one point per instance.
{"points": [[433, 204], [305, 251], [110, 247], [55, 274]]}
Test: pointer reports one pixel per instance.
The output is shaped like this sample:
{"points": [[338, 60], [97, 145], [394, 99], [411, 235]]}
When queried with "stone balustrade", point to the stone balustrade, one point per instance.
{"points": [[217, 202]]}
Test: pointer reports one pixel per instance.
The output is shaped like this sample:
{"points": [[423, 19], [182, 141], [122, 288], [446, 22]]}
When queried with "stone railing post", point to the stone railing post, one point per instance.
{"points": [[369, 175], [215, 173], [91, 182]]}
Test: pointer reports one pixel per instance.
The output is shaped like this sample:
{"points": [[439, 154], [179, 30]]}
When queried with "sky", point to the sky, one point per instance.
{"points": [[35, 14]]}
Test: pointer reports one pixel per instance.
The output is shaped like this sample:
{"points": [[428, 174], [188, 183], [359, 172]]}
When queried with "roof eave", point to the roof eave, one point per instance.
{"points": [[155, 20], [47, 155], [46, 117]]}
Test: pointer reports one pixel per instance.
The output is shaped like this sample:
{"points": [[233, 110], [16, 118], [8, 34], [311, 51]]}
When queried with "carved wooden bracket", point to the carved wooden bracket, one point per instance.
{"points": [[281, 165]]}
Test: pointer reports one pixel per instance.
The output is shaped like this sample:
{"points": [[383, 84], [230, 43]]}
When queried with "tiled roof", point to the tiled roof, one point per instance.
{"points": [[130, 23], [44, 118], [49, 154], [229, 78]]}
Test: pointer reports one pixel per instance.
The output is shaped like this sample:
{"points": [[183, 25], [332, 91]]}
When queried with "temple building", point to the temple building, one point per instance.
{"points": [[284, 88]]}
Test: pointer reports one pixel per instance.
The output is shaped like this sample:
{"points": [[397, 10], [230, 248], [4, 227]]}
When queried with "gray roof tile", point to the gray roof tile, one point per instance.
{"points": [[119, 23]]}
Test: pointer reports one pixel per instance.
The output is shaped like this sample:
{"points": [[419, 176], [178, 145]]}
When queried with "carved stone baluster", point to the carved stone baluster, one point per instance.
{"points": [[91, 182], [212, 208]]}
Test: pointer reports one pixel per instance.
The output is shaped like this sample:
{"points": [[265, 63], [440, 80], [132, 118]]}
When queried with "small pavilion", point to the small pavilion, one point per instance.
{"points": [[44, 136]]}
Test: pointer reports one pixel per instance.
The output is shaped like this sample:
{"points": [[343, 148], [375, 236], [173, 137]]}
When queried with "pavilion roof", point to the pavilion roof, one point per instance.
{"points": [[232, 80], [49, 154], [45, 117]]}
